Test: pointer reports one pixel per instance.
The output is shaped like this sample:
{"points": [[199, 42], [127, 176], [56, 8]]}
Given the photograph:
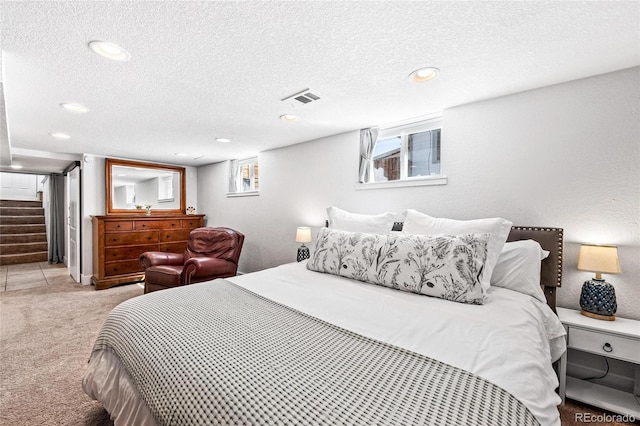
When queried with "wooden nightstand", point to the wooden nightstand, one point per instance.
{"points": [[619, 339]]}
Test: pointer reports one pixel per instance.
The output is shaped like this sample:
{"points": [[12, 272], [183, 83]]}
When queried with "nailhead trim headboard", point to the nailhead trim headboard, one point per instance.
{"points": [[552, 240]]}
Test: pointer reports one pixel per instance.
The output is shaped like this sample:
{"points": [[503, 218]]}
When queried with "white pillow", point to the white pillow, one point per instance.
{"points": [[518, 268], [497, 227], [354, 222]]}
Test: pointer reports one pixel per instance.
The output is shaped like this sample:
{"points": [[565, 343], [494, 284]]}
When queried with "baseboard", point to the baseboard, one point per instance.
{"points": [[85, 279]]}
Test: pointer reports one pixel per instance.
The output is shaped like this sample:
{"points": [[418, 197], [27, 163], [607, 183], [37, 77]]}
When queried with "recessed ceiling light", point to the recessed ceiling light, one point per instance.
{"points": [[424, 74], [223, 140], [109, 50], [289, 117], [16, 166], [181, 154], [76, 108], [59, 135]]}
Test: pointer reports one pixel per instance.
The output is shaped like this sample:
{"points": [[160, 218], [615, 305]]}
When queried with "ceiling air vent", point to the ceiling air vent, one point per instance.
{"points": [[303, 97]]}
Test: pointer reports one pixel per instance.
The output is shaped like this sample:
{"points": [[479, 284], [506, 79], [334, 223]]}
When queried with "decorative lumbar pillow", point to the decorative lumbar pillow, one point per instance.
{"points": [[497, 228], [444, 266], [518, 268], [354, 222]]}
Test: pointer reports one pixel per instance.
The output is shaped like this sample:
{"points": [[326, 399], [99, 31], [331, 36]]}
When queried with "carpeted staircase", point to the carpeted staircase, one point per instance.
{"points": [[23, 236]]}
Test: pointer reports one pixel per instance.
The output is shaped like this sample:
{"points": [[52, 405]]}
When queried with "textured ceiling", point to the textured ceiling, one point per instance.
{"points": [[201, 70]]}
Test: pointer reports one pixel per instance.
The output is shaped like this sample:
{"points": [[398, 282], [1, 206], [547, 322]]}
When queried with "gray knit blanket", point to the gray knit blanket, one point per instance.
{"points": [[216, 353]]}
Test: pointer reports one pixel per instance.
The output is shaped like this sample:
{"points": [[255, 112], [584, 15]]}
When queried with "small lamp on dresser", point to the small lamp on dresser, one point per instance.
{"points": [[598, 297], [303, 235]]}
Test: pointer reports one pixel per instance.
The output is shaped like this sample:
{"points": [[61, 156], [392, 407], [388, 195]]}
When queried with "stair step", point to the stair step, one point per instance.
{"points": [[14, 259], [21, 211], [22, 229], [23, 238], [21, 220], [20, 203], [23, 248]]}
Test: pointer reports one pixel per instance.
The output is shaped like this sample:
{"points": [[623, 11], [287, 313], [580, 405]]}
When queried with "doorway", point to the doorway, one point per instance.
{"points": [[73, 220]]}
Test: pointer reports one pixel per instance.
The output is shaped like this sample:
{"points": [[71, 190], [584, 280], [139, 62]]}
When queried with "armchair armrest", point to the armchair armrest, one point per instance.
{"points": [[207, 268], [153, 258]]}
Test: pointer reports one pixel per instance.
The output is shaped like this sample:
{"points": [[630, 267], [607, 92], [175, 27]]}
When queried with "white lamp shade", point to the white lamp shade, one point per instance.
{"points": [[303, 234], [602, 259]]}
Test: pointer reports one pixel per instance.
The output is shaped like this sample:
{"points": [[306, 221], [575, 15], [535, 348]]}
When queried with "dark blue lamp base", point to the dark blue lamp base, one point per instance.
{"points": [[303, 253], [598, 300]]}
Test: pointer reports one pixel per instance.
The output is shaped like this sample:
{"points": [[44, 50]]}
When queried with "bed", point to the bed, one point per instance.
{"points": [[289, 345]]}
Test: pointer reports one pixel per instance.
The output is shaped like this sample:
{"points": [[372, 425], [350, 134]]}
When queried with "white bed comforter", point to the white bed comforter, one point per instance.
{"points": [[511, 340]]}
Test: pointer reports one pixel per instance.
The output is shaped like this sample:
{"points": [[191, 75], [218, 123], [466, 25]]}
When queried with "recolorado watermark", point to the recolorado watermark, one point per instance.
{"points": [[603, 418]]}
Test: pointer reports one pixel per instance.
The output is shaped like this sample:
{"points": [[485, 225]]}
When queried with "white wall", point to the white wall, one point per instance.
{"points": [[147, 192], [18, 186], [564, 156], [93, 203]]}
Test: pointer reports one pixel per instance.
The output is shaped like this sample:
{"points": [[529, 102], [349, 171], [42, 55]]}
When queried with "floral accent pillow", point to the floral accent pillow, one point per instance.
{"points": [[498, 229], [444, 266]]}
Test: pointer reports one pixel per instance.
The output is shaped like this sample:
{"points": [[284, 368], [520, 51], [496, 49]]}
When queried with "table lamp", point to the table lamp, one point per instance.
{"points": [[303, 235], [598, 297]]}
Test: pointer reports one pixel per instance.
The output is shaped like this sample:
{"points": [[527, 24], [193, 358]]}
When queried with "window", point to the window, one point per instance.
{"points": [[243, 177], [407, 155], [165, 188], [386, 159]]}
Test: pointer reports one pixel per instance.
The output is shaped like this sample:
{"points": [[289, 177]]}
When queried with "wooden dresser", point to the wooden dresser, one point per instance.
{"points": [[119, 240]]}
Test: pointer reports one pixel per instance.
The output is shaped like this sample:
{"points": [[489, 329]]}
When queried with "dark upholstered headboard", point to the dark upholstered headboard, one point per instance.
{"points": [[551, 239]]}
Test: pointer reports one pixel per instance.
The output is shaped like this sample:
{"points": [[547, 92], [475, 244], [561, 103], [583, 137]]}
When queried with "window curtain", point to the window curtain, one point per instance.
{"points": [[368, 138], [233, 175], [56, 219]]}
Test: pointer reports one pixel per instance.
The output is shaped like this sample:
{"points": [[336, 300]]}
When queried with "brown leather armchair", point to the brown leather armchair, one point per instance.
{"points": [[211, 253]]}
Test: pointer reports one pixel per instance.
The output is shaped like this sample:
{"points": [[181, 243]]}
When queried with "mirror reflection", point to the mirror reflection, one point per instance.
{"points": [[140, 188], [135, 187]]}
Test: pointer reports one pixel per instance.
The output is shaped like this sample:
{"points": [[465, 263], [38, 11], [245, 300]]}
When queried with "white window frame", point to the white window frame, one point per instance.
{"points": [[240, 192], [165, 189], [403, 131]]}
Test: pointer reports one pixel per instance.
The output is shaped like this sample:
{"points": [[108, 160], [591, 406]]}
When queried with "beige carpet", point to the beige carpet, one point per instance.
{"points": [[46, 336]]}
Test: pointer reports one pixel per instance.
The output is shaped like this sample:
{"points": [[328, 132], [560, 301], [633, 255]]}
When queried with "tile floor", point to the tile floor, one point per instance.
{"points": [[30, 275]]}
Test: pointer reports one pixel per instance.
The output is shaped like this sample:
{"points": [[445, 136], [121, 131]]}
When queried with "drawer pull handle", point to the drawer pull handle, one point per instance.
{"points": [[607, 348]]}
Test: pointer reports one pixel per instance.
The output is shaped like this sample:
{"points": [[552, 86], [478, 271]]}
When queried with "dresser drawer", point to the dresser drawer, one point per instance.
{"points": [[157, 224], [127, 252], [130, 238], [191, 223], [177, 247], [118, 226], [177, 235], [123, 267], [604, 344]]}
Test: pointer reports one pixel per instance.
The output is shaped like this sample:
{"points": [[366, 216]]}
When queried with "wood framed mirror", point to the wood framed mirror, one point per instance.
{"points": [[131, 186]]}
